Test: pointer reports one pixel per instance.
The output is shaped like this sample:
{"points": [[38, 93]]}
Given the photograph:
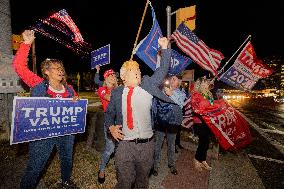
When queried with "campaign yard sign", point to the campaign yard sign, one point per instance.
{"points": [[100, 56], [37, 118]]}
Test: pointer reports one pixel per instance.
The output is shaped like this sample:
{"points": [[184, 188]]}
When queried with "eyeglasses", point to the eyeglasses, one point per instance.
{"points": [[58, 68]]}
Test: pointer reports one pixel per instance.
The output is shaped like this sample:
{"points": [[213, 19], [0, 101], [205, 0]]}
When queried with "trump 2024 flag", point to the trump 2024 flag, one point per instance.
{"points": [[246, 70]]}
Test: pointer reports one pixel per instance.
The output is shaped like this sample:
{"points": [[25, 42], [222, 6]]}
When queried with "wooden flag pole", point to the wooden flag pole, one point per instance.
{"points": [[138, 33]]}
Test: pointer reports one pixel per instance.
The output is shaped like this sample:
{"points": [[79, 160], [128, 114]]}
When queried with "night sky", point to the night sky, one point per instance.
{"points": [[222, 25]]}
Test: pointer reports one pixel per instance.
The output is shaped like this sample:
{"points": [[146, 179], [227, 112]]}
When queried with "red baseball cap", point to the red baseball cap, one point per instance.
{"points": [[108, 72]]}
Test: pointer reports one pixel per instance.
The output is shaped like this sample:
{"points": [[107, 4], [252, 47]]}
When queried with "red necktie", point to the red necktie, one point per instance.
{"points": [[129, 108]]}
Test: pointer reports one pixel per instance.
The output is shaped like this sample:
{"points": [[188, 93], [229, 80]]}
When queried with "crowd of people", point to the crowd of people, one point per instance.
{"points": [[138, 116]]}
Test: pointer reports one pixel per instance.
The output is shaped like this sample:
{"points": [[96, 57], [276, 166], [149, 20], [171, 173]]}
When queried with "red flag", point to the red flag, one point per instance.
{"points": [[227, 124], [248, 58], [189, 43], [246, 70]]}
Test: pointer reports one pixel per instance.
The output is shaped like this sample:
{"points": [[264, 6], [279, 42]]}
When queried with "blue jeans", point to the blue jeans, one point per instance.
{"points": [[171, 137], [39, 152], [109, 149]]}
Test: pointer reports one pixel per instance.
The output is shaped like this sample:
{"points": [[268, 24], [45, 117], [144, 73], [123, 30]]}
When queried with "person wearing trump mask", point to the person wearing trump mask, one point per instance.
{"points": [[129, 121]]}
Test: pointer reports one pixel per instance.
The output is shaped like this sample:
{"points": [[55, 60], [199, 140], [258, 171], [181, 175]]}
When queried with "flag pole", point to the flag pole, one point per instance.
{"points": [[138, 33], [34, 57], [221, 70], [169, 23], [247, 39]]}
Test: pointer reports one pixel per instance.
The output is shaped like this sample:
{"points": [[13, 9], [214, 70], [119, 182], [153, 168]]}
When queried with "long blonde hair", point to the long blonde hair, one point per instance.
{"points": [[45, 65], [197, 85]]}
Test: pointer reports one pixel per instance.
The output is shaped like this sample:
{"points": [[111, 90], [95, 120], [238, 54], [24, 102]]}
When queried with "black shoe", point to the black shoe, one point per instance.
{"points": [[155, 172], [69, 185], [101, 180], [173, 170]]}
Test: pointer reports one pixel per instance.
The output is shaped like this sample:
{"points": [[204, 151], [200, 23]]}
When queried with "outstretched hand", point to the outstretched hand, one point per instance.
{"points": [[28, 36]]}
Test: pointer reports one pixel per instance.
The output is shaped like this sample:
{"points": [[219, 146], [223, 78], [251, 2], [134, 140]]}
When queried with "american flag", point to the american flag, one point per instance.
{"points": [[189, 43], [63, 16], [187, 121]]}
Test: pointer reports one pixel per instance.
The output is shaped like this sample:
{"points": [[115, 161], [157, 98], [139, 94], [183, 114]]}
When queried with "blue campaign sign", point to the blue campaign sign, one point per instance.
{"points": [[36, 118], [100, 56]]}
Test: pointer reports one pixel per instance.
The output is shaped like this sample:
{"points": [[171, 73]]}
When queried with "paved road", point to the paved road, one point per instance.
{"points": [[267, 149], [261, 165]]}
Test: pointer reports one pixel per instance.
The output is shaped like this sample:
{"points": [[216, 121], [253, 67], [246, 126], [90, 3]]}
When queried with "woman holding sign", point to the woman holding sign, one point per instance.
{"points": [[53, 84]]}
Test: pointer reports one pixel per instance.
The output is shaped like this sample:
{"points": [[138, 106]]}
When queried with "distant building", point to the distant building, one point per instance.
{"points": [[276, 79]]}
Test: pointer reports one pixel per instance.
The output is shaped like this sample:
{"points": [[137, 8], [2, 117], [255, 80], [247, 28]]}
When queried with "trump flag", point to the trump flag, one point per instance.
{"points": [[227, 124], [178, 63], [246, 70], [147, 49]]}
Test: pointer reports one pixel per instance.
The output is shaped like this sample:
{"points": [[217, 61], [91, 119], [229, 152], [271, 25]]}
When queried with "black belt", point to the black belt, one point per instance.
{"points": [[141, 140]]}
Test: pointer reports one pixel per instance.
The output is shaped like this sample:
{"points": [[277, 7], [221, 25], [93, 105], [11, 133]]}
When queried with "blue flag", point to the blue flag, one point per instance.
{"points": [[178, 63], [147, 49]]}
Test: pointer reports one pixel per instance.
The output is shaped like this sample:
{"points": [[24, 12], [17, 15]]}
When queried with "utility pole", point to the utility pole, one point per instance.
{"points": [[169, 23]]}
